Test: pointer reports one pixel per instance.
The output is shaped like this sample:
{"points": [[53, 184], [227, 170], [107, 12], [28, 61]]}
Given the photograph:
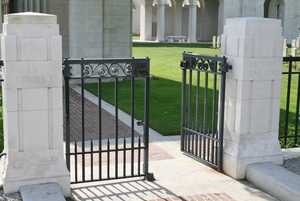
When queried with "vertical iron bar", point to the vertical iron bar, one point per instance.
{"points": [[215, 105], [188, 148], [205, 114], [76, 169], [108, 158], [92, 168], [183, 102], [139, 156], [67, 119], [297, 112], [83, 123], [124, 157], [132, 125], [221, 119], [288, 103], [100, 127], [116, 127], [146, 124]]}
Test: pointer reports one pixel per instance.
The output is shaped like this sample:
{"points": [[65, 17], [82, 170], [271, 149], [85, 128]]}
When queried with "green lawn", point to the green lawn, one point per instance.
{"points": [[165, 86]]}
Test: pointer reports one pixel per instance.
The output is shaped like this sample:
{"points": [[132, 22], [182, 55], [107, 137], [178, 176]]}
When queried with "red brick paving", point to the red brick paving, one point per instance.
{"points": [[91, 121]]}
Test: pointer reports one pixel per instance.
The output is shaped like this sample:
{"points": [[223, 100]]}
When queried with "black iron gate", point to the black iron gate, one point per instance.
{"points": [[92, 155], [202, 115]]}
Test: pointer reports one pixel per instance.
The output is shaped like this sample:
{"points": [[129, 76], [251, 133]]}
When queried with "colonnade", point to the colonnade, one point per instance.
{"points": [[146, 24], [14, 6]]}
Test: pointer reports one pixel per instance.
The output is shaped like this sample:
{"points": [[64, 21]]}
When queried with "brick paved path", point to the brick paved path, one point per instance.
{"points": [[91, 121]]}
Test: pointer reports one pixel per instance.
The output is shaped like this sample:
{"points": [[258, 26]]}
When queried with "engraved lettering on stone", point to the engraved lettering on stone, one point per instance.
{"points": [[262, 73], [32, 78], [262, 69], [262, 64]]}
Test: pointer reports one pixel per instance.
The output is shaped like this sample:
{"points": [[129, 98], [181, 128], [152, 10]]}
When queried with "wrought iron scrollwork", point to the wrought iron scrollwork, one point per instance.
{"points": [[204, 63], [109, 68], [103, 69]]}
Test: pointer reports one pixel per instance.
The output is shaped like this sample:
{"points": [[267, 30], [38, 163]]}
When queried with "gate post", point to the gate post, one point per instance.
{"points": [[32, 102], [253, 47]]}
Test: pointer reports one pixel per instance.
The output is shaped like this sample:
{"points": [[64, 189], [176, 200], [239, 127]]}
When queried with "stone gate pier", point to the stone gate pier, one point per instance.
{"points": [[254, 48], [32, 102]]}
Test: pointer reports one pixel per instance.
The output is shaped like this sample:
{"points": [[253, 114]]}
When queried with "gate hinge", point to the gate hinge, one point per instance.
{"points": [[224, 66], [67, 69]]}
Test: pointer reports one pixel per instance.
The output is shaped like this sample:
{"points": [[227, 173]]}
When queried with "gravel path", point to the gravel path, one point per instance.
{"points": [[10, 197], [292, 165]]}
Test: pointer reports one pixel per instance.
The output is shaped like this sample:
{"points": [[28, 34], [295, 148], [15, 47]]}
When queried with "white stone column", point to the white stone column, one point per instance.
{"points": [[254, 48], [32, 102], [192, 21], [178, 21], [30, 5], [36, 6], [86, 32], [160, 21], [146, 22]]}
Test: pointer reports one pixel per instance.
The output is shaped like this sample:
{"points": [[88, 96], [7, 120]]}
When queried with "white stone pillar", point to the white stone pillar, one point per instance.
{"points": [[254, 48], [178, 21], [86, 29], [30, 5], [36, 6], [160, 21], [146, 22], [32, 102], [192, 21], [43, 6]]}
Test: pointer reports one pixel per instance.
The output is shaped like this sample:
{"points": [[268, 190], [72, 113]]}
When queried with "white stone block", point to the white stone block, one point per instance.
{"points": [[32, 30], [33, 49], [243, 90], [262, 89], [9, 48], [232, 90], [256, 68], [55, 48], [57, 128], [276, 86], [13, 139], [56, 98], [278, 46], [12, 104], [33, 74], [230, 115], [232, 49], [263, 48], [30, 18], [275, 112], [34, 99], [260, 116], [35, 126], [247, 42]]}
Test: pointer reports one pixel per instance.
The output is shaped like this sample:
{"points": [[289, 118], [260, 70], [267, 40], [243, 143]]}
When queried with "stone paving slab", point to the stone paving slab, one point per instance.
{"points": [[41, 192]]}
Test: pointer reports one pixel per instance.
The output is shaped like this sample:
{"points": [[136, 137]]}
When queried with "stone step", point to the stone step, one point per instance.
{"points": [[41, 192], [275, 180]]}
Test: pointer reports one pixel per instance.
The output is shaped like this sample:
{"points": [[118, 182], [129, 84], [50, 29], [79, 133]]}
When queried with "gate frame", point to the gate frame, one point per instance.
{"points": [[109, 68], [201, 63]]}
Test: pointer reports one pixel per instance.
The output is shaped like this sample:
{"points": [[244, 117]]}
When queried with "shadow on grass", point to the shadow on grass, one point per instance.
{"points": [[165, 102]]}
